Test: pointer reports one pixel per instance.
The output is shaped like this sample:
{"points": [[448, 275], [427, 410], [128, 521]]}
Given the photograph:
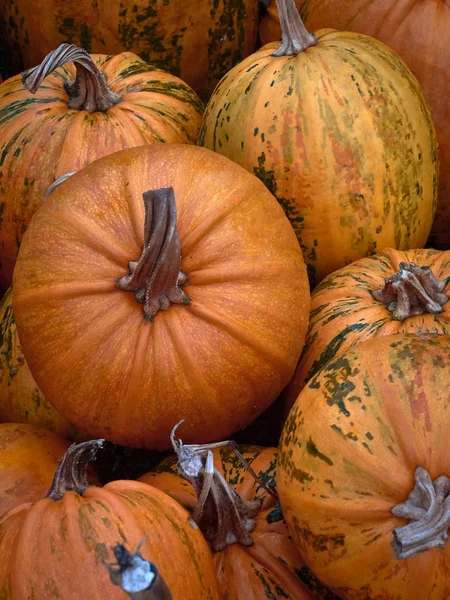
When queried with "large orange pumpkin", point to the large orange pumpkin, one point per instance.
{"points": [[28, 460], [83, 298], [197, 41], [320, 121], [367, 430], [65, 538], [254, 556], [419, 32], [78, 113], [21, 401], [390, 292]]}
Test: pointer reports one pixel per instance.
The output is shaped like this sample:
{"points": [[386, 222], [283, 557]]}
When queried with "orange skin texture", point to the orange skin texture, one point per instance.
{"points": [[348, 453], [355, 170], [42, 139], [218, 362], [21, 401], [344, 312], [269, 27], [65, 556], [28, 457], [245, 572], [419, 31], [197, 41]]}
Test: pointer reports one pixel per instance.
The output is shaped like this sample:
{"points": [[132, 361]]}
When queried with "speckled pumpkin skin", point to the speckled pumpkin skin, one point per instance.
{"points": [[342, 135], [419, 31], [344, 312], [347, 455], [198, 41], [42, 139], [271, 568]]}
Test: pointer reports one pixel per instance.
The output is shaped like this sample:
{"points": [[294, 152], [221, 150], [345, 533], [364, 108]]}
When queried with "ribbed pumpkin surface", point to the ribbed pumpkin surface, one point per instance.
{"points": [[348, 454], [419, 31], [42, 139], [342, 136], [197, 41], [345, 313]]}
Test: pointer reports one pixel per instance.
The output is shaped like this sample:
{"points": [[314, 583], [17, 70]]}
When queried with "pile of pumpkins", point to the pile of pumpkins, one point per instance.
{"points": [[172, 271]]}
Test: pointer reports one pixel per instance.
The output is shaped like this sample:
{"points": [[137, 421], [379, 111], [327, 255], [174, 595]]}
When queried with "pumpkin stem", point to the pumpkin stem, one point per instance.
{"points": [[138, 578], [223, 516], [412, 291], [89, 91], [71, 473], [156, 278], [428, 508], [295, 37]]}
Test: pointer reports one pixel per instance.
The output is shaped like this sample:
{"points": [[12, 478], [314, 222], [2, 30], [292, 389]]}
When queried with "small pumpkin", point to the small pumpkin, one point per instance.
{"points": [[28, 458], [82, 108], [197, 41], [363, 470], [390, 292], [173, 277], [419, 33], [21, 401], [64, 538], [319, 121], [254, 556]]}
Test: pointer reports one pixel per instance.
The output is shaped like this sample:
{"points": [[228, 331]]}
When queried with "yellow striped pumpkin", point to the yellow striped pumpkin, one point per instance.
{"points": [[338, 129], [388, 293]]}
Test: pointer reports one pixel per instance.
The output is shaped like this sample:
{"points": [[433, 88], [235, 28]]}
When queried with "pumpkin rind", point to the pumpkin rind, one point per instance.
{"points": [[21, 401], [271, 567], [41, 139], [418, 31], [344, 312], [355, 169], [348, 453], [28, 458], [217, 362], [197, 41], [65, 557]]}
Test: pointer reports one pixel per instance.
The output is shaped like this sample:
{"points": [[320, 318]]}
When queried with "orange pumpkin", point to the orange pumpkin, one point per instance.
{"points": [[69, 533], [367, 430], [83, 298], [82, 111], [391, 292], [21, 401], [418, 31], [254, 556], [319, 121], [28, 458], [197, 41]]}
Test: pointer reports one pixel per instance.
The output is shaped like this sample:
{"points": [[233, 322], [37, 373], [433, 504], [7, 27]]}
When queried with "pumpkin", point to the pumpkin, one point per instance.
{"points": [[390, 292], [171, 276], [254, 556], [21, 401], [64, 538], [363, 466], [419, 33], [78, 114], [197, 41], [28, 458], [269, 26], [319, 121]]}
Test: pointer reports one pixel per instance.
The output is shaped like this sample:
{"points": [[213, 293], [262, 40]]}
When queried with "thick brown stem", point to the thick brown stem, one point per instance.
{"points": [[412, 291], [156, 278], [71, 473], [295, 37], [223, 516], [89, 91], [138, 578], [428, 508]]}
